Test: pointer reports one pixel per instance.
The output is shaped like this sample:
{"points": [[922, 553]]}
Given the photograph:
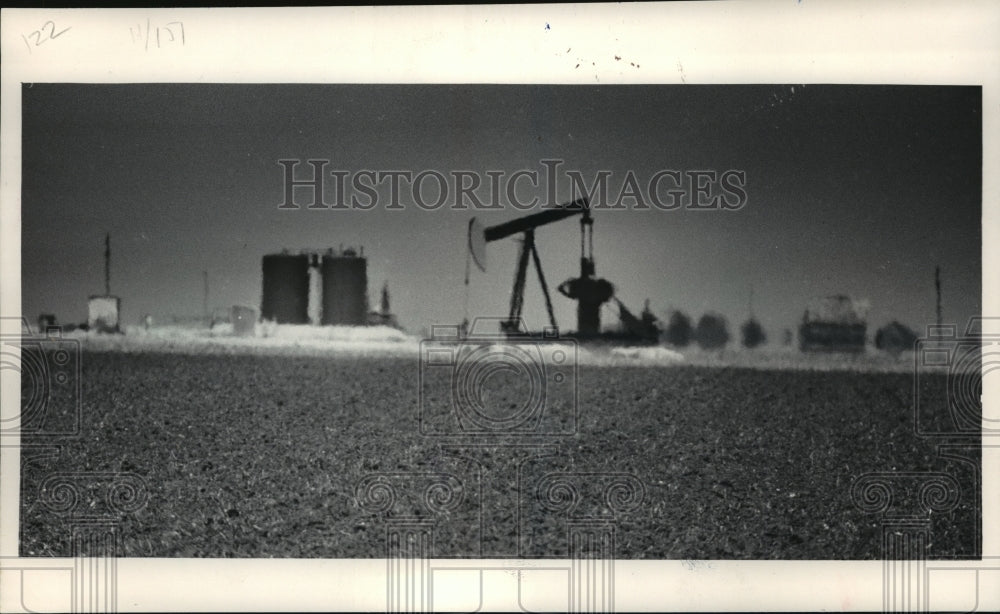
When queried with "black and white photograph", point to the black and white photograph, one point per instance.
{"points": [[552, 328]]}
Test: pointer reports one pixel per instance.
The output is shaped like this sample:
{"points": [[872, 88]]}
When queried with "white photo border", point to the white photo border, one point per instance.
{"points": [[788, 41]]}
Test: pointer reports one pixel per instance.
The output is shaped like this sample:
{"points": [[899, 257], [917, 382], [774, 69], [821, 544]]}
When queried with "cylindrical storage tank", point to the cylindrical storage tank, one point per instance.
{"points": [[345, 289], [285, 297]]}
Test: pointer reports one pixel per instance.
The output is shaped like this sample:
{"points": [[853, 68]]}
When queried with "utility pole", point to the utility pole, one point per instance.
{"points": [[385, 299], [107, 264], [937, 288], [205, 300]]}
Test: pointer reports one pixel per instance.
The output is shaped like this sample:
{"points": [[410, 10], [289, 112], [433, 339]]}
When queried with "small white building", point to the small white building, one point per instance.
{"points": [[103, 313]]}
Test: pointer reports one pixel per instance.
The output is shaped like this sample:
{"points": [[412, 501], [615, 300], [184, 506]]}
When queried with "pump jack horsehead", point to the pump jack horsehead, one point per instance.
{"points": [[589, 291]]}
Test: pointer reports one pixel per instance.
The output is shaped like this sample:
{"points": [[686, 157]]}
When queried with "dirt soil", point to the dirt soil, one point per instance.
{"points": [[277, 456]]}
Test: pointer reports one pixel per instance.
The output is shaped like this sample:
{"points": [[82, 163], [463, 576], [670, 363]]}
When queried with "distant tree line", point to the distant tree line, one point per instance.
{"points": [[895, 338], [712, 333]]}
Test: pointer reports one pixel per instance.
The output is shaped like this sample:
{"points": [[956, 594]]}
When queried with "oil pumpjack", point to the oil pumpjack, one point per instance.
{"points": [[589, 292]]}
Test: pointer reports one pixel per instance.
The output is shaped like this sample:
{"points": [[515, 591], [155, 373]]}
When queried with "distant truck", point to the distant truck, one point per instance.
{"points": [[834, 324]]}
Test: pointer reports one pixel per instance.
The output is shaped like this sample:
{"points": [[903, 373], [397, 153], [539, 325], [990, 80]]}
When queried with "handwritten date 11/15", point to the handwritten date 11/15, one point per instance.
{"points": [[159, 35], [45, 33]]}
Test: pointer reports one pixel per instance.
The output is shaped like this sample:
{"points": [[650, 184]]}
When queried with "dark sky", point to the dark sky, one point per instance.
{"points": [[859, 190]]}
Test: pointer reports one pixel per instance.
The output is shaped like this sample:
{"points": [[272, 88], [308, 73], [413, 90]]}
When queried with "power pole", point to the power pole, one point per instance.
{"points": [[205, 300], [107, 264], [385, 299], [937, 288]]}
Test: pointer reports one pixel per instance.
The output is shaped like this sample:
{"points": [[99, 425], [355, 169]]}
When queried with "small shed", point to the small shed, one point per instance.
{"points": [[103, 313], [834, 324]]}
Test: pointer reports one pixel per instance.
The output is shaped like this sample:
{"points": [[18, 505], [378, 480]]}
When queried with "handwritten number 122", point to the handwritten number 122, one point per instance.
{"points": [[46, 32]]}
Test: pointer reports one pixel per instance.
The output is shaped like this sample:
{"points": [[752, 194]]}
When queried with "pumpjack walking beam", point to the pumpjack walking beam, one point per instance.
{"points": [[530, 222]]}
